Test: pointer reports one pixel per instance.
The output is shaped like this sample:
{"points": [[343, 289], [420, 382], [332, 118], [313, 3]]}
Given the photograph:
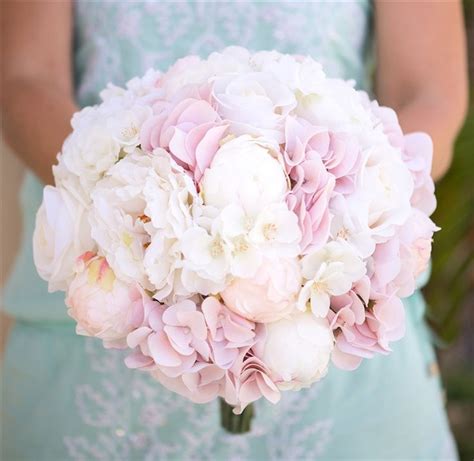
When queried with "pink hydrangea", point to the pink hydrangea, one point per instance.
{"points": [[417, 154], [248, 381], [190, 129], [172, 338], [364, 328], [229, 333]]}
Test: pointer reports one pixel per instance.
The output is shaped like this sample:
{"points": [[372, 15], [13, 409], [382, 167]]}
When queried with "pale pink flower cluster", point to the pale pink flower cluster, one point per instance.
{"points": [[238, 223]]}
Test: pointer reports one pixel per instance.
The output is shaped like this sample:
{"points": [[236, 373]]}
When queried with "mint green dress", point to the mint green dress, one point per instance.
{"points": [[67, 398]]}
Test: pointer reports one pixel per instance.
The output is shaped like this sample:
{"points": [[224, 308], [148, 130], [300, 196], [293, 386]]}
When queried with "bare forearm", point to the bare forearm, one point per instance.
{"points": [[440, 121], [36, 120]]}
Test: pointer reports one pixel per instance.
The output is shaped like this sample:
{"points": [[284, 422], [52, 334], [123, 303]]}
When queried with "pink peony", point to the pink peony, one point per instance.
{"points": [[268, 296], [191, 130], [102, 305]]}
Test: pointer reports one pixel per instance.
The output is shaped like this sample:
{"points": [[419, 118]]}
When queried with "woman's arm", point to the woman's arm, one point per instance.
{"points": [[36, 87], [422, 70]]}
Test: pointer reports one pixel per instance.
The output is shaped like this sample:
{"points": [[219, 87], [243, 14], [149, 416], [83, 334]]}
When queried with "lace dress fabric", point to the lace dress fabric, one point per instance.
{"points": [[65, 397]]}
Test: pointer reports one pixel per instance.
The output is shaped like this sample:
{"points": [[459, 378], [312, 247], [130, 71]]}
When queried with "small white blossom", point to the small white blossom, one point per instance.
{"points": [[330, 271]]}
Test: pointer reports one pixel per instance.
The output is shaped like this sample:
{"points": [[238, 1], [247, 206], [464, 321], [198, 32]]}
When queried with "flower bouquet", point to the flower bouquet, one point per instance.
{"points": [[238, 223]]}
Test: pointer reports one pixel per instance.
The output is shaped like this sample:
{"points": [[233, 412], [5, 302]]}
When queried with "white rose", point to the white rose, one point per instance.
{"points": [[190, 70], [329, 271], [142, 86], [62, 233], [90, 150], [336, 105], [233, 59], [383, 192], [244, 171], [297, 350], [304, 75], [255, 103]]}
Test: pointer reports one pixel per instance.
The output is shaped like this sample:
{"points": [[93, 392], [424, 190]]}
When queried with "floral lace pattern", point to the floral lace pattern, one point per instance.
{"points": [[116, 40], [130, 417]]}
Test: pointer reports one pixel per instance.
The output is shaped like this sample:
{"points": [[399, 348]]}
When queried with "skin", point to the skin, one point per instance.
{"points": [[421, 73]]}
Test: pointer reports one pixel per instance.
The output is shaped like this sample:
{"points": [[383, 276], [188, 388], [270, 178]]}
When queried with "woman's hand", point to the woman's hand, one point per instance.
{"points": [[422, 70], [36, 88]]}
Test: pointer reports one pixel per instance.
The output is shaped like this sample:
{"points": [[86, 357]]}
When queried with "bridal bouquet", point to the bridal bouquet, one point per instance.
{"points": [[238, 223]]}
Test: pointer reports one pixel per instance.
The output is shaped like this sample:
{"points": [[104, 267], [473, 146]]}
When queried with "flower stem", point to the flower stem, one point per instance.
{"points": [[236, 424]]}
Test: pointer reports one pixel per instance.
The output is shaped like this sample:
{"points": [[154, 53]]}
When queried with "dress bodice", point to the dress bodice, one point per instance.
{"points": [[115, 40]]}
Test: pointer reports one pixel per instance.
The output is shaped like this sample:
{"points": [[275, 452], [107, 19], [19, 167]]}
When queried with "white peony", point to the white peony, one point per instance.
{"points": [[244, 171], [62, 233], [383, 193], [297, 350], [329, 271]]}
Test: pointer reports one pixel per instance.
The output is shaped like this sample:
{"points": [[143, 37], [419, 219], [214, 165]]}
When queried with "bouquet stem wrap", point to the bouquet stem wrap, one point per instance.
{"points": [[236, 424]]}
